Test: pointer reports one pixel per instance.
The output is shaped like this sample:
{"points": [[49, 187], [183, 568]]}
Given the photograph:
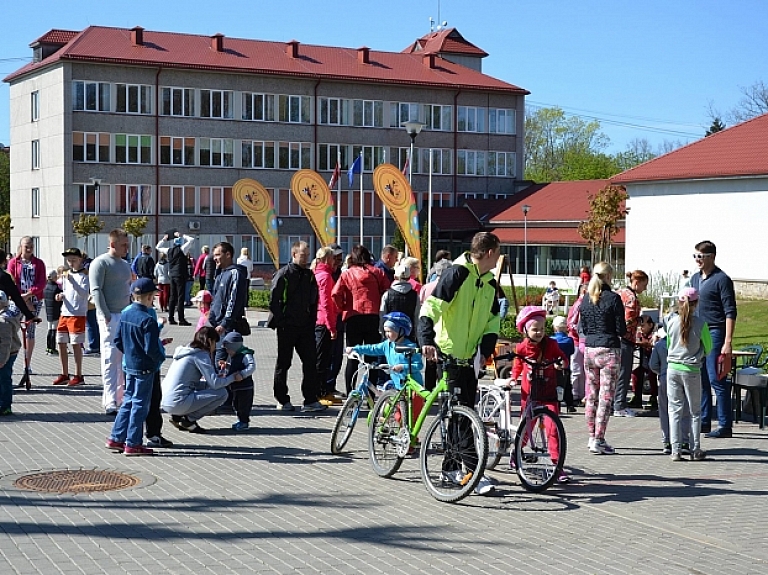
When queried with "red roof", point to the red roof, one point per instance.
{"points": [[548, 236], [56, 36], [454, 220], [484, 210], [738, 151], [553, 202], [447, 41], [188, 51]]}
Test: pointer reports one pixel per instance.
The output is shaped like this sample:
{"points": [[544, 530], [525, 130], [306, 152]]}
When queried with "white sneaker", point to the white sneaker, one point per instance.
{"points": [[484, 486], [626, 412], [590, 443], [601, 447], [458, 477]]}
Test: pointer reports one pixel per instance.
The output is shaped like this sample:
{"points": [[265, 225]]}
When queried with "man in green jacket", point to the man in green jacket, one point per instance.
{"points": [[461, 315]]}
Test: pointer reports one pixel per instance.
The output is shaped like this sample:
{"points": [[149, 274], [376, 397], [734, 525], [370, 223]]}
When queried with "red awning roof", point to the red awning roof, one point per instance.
{"points": [[738, 151], [548, 236], [56, 36]]}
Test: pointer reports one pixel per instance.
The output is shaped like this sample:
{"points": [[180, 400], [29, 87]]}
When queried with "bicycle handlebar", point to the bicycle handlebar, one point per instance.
{"points": [[373, 365], [535, 364]]}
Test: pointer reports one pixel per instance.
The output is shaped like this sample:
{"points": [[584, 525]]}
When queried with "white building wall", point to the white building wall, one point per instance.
{"points": [[667, 219], [51, 177]]}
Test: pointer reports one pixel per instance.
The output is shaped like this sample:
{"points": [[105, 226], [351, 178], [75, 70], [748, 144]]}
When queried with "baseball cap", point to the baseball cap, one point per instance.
{"points": [[142, 286], [232, 341], [72, 252], [337, 251], [204, 296], [688, 293]]}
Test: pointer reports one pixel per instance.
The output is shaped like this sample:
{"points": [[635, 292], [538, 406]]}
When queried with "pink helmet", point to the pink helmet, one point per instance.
{"points": [[528, 313], [688, 294]]}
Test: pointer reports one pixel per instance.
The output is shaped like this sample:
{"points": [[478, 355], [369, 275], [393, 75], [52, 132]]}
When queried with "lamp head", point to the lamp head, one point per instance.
{"points": [[413, 128], [526, 209]]}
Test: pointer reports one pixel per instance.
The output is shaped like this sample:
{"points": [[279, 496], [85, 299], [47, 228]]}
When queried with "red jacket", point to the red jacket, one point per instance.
{"points": [[359, 291], [547, 350], [326, 308], [14, 268], [200, 266]]}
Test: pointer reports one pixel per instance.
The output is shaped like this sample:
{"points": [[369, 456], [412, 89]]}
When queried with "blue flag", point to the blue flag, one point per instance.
{"points": [[355, 169]]}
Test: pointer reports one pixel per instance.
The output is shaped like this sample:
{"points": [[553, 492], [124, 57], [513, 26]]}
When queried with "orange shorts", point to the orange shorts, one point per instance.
{"points": [[70, 330]]}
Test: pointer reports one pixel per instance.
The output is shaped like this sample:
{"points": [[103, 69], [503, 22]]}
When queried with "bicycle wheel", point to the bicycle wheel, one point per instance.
{"points": [[386, 433], [489, 408], [453, 454], [540, 449], [345, 422]]}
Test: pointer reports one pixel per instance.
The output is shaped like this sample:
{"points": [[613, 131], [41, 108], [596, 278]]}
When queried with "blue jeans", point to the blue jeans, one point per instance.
{"points": [[129, 422], [6, 383], [722, 388], [92, 330], [188, 292]]}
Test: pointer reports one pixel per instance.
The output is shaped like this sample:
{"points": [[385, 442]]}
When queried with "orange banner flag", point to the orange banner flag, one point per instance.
{"points": [[256, 203], [314, 197], [395, 193]]}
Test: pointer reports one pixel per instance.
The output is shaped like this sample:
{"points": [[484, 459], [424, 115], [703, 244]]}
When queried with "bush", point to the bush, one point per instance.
{"points": [[258, 299]]}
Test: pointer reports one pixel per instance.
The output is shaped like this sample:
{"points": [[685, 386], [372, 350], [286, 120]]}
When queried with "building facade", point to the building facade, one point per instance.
{"points": [[120, 123]]}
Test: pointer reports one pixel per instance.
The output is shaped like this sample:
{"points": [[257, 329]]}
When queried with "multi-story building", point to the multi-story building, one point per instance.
{"points": [[126, 122]]}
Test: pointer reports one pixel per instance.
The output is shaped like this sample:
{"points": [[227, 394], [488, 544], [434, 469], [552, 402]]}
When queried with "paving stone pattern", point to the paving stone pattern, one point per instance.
{"points": [[275, 500]]}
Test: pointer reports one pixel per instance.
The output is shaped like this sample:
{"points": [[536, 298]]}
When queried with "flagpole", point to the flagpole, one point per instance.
{"points": [[338, 199], [361, 198], [383, 214], [429, 216]]}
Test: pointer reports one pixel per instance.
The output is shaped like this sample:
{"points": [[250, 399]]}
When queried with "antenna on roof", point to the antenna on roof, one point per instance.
{"points": [[431, 24], [443, 25]]}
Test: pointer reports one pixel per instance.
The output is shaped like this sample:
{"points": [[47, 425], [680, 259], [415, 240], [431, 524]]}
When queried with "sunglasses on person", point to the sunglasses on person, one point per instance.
{"points": [[701, 256]]}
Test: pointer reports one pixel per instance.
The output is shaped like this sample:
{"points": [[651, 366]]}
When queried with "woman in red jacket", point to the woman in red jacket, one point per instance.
{"points": [[358, 295], [29, 274]]}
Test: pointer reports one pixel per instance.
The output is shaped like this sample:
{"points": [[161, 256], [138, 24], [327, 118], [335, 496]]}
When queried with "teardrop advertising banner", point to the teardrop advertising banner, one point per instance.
{"points": [[314, 197], [256, 203], [395, 193]]}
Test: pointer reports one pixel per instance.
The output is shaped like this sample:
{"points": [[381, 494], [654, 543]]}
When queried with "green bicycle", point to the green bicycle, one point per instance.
{"points": [[453, 454]]}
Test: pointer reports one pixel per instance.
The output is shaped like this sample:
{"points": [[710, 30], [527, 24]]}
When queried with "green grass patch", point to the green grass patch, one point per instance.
{"points": [[751, 324]]}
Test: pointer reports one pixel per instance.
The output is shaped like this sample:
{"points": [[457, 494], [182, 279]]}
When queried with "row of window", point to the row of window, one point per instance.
{"points": [[181, 151], [262, 107]]}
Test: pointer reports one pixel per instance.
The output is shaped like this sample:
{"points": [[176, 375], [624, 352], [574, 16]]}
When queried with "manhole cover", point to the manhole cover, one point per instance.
{"points": [[76, 481]]}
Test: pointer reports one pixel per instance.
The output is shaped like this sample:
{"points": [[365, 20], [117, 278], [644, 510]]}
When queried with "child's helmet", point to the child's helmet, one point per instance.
{"points": [[528, 313], [398, 321]]}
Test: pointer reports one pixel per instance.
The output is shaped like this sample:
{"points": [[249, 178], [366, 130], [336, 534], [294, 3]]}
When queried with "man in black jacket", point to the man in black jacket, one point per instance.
{"points": [[176, 247], [145, 264], [293, 305]]}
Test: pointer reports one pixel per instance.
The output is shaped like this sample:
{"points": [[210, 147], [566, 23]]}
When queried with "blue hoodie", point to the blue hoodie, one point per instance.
{"points": [[386, 349]]}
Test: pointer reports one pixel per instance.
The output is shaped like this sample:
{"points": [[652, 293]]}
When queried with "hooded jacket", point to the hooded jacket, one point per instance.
{"points": [[359, 291], [326, 309], [400, 297], [184, 376], [230, 296]]}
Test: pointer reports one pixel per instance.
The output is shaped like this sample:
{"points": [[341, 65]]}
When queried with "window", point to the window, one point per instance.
{"points": [[217, 152], [216, 104], [470, 163], [35, 154], [293, 155], [35, 105], [333, 111], [372, 156], [438, 117], [371, 204], [258, 154], [90, 96], [470, 119], [368, 113], [328, 154], [90, 147], [441, 161], [92, 199], [400, 112], [134, 98], [287, 205], [177, 102], [216, 201], [131, 199], [259, 107], [439, 200], [255, 245], [35, 202], [177, 151], [133, 149], [501, 121], [501, 164], [293, 109], [177, 199]]}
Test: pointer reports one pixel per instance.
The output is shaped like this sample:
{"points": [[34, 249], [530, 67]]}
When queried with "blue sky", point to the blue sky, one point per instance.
{"points": [[652, 64]]}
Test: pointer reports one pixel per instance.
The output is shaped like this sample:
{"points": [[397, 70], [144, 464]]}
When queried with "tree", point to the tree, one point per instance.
{"points": [[555, 144], [717, 126], [135, 228], [5, 181], [638, 151], [754, 103], [85, 226], [5, 230], [606, 208]]}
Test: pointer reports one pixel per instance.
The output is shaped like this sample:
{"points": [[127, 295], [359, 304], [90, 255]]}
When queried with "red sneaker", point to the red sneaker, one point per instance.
{"points": [[61, 380], [115, 445], [138, 450], [75, 381]]}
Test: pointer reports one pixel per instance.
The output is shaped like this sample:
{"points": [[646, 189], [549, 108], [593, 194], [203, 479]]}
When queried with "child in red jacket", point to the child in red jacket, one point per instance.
{"points": [[540, 348]]}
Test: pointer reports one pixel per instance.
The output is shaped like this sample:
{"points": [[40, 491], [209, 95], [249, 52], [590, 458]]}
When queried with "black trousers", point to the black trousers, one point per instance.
{"points": [[154, 421], [242, 400], [176, 303], [324, 349], [464, 378], [50, 339], [337, 357], [361, 329], [303, 341]]}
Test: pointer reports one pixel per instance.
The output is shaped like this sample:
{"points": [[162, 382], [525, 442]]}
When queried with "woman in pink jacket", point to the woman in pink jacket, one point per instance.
{"points": [[358, 295], [325, 328], [29, 274]]}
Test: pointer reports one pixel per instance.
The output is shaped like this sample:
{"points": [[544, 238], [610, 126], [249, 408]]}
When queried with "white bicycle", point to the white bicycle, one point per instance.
{"points": [[494, 405]]}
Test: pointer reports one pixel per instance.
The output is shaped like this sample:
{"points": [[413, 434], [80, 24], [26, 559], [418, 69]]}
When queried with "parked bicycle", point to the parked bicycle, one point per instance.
{"points": [[364, 393], [494, 405], [539, 446], [453, 453]]}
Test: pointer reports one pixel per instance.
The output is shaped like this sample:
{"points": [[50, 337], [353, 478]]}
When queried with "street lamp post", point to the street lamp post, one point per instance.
{"points": [[413, 129], [526, 209]]}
